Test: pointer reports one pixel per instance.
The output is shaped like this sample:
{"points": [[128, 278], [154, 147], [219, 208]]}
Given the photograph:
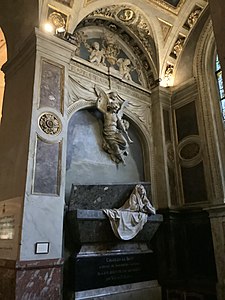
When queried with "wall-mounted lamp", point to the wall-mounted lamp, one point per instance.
{"points": [[48, 27]]}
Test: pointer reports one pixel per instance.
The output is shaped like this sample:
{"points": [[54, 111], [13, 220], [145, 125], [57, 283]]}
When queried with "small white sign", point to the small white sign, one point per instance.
{"points": [[42, 248]]}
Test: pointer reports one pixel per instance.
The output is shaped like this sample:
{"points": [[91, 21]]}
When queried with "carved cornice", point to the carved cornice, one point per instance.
{"points": [[82, 81]]}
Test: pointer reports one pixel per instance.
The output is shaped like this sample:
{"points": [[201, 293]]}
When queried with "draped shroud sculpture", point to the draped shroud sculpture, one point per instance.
{"points": [[128, 220], [115, 129]]}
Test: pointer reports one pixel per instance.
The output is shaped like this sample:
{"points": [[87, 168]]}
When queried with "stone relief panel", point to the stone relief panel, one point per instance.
{"points": [[108, 51], [81, 87], [178, 46], [51, 91], [47, 168], [193, 17], [119, 38]]}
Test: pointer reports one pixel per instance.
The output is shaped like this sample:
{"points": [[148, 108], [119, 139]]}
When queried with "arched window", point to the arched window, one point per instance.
{"points": [[220, 87]]}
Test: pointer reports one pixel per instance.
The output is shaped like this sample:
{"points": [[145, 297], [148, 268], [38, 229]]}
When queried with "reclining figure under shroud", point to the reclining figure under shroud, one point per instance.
{"points": [[128, 220]]}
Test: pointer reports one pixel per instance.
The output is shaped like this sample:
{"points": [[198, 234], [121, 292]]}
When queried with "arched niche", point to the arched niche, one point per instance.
{"points": [[3, 59], [88, 163]]}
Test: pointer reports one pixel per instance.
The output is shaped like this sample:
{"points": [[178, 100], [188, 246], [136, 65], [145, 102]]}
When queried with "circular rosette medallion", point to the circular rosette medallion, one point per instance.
{"points": [[189, 151], [50, 124], [57, 19]]}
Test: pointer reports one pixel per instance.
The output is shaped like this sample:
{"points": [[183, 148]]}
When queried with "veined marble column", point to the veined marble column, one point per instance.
{"points": [[33, 161]]}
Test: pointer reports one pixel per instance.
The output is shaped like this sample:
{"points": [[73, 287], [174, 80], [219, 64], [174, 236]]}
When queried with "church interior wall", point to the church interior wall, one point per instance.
{"points": [[51, 140]]}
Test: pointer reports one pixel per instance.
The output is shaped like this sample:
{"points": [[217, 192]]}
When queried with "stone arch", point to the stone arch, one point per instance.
{"points": [[142, 131], [209, 111], [138, 128], [134, 31]]}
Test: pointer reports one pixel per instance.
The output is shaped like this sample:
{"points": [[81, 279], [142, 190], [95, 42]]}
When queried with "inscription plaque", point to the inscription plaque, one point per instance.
{"points": [[7, 228], [108, 270]]}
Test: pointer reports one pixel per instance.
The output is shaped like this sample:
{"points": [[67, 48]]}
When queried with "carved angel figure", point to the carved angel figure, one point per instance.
{"points": [[97, 56], [114, 127], [125, 68], [178, 47], [193, 17]]}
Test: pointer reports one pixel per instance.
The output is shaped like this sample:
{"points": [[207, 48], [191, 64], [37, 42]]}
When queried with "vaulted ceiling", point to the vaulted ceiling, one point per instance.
{"points": [[172, 24]]}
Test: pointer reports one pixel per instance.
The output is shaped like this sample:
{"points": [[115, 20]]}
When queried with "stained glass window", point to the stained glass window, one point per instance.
{"points": [[220, 87]]}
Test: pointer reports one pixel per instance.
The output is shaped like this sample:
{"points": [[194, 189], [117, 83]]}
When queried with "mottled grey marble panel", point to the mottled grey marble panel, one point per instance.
{"points": [[47, 176], [101, 196], [51, 93], [93, 231]]}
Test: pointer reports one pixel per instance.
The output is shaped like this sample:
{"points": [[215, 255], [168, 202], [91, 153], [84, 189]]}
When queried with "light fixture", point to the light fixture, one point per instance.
{"points": [[48, 27]]}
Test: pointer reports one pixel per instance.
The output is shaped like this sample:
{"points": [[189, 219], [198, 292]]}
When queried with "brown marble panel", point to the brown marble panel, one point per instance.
{"points": [[34, 280], [47, 174], [51, 94], [39, 279]]}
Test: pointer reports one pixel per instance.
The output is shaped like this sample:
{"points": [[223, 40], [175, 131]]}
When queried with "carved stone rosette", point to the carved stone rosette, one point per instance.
{"points": [[189, 151], [50, 123]]}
